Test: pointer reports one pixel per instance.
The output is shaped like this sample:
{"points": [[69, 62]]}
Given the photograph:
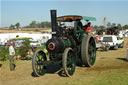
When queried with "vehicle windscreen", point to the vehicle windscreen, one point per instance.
{"points": [[34, 41], [67, 24], [107, 39]]}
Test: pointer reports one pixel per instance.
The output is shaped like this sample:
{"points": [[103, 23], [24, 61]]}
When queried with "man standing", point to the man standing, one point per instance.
{"points": [[11, 56]]}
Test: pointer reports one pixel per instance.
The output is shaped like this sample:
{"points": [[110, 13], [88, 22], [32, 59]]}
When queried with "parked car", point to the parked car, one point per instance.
{"points": [[18, 41], [34, 43], [2, 43], [114, 41]]}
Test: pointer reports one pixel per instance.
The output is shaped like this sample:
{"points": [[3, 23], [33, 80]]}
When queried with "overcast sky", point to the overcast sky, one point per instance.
{"points": [[25, 11]]}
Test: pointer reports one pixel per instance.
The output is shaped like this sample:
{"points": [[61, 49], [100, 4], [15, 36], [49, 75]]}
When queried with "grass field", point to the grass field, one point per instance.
{"points": [[26, 30], [110, 68]]}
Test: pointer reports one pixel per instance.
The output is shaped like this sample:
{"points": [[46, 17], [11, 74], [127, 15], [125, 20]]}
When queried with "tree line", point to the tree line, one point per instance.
{"points": [[110, 25], [46, 24], [35, 24]]}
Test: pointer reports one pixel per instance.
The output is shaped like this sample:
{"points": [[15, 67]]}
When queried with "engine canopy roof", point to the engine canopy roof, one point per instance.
{"points": [[74, 18]]}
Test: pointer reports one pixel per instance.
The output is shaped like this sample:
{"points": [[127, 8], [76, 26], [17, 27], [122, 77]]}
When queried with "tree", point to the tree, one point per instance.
{"points": [[17, 26], [45, 24], [109, 25], [101, 27], [42, 24], [125, 27], [119, 26], [113, 24], [33, 24], [38, 25], [11, 26], [95, 27]]}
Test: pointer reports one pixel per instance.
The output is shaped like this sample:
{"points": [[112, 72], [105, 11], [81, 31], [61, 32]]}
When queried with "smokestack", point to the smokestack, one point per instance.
{"points": [[53, 22]]}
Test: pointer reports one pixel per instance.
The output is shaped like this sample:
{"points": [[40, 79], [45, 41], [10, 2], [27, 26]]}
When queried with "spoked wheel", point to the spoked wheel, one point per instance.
{"points": [[38, 63], [69, 62], [88, 51]]}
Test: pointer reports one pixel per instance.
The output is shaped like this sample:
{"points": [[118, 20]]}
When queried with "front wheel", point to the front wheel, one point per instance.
{"points": [[106, 48], [122, 45], [38, 63], [69, 62], [116, 48]]}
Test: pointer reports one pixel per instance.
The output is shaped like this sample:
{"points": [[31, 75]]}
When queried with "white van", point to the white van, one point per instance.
{"points": [[113, 41]]}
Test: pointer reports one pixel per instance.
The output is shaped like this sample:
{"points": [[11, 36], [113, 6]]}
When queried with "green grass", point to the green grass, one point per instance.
{"points": [[113, 77], [83, 76]]}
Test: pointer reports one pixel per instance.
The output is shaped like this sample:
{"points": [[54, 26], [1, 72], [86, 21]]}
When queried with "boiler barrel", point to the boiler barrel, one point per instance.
{"points": [[58, 45]]}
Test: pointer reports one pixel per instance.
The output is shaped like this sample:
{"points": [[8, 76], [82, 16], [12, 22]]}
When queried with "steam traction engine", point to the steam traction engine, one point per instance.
{"points": [[68, 43]]}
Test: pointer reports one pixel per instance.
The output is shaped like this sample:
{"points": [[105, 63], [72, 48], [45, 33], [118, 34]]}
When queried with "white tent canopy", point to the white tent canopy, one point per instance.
{"points": [[4, 37]]}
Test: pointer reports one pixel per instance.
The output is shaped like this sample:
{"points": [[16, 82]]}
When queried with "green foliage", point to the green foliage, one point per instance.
{"points": [[119, 26], [109, 25], [27, 43], [22, 51], [125, 27], [113, 25], [4, 52], [35, 24], [11, 26], [17, 26], [101, 27], [95, 27]]}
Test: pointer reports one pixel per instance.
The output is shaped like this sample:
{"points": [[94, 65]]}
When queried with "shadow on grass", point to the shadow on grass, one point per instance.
{"points": [[57, 69], [0, 65], [123, 59], [52, 69]]}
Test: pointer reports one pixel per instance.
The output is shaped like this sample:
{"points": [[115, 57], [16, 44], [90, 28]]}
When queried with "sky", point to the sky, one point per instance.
{"points": [[25, 11]]}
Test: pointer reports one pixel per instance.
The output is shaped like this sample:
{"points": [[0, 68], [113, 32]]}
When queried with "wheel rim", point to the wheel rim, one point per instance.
{"points": [[91, 51], [71, 63], [39, 64]]}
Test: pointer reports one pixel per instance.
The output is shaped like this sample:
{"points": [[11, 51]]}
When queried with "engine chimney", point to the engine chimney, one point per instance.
{"points": [[53, 22]]}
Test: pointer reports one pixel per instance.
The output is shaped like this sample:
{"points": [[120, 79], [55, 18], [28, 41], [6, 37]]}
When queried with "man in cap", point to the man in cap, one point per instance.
{"points": [[11, 56]]}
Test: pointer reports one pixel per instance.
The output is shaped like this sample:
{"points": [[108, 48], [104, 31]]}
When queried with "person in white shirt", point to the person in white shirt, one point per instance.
{"points": [[11, 56]]}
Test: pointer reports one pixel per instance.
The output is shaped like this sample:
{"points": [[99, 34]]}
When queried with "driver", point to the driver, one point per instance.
{"points": [[88, 28]]}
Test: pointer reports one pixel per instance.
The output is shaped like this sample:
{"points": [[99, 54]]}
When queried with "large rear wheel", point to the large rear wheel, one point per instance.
{"points": [[69, 62], [88, 51], [38, 63]]}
